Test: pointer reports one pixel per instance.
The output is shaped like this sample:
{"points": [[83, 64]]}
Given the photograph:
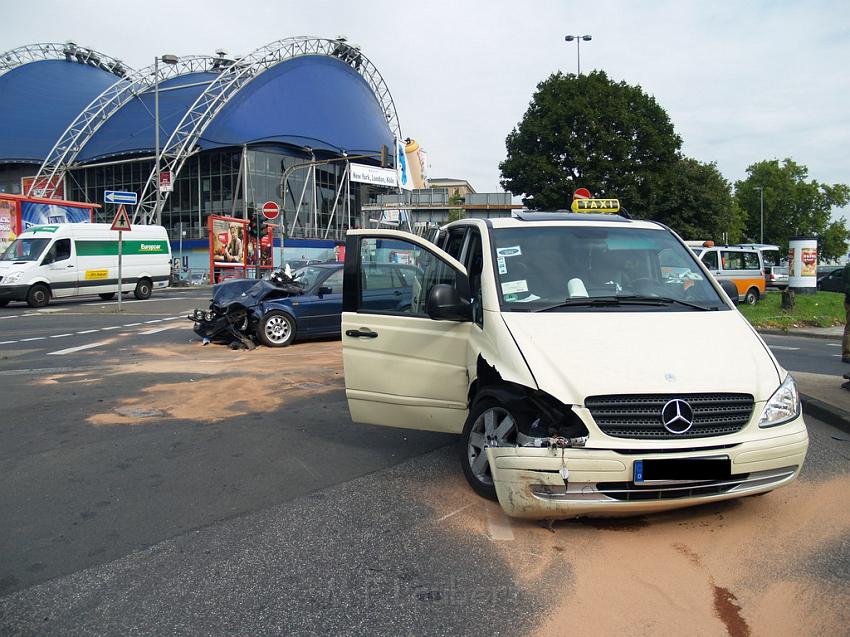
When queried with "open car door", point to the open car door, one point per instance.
{"points": [[403, 368]]}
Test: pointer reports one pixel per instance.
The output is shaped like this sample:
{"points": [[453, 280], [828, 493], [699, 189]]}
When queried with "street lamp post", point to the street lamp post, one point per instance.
{"points": [[761, 208], [165, 59], [578, 39]]}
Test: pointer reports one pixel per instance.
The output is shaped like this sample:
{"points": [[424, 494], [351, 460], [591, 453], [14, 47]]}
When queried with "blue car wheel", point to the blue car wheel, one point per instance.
{"points": [[276, 329]]}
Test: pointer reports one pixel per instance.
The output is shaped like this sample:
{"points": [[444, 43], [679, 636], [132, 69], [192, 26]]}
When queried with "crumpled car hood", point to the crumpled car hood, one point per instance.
{"points": [[251, 292]]}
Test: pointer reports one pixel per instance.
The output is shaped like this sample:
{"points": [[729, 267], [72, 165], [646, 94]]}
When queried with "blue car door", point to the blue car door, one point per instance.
{"points": [[321, 313]]}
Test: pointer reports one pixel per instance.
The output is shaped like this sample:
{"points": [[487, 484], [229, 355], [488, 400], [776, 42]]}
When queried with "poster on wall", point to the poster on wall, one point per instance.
{"points": [[38, 214], [228, 247], [8, 222], [809, 258], [40, 187]]}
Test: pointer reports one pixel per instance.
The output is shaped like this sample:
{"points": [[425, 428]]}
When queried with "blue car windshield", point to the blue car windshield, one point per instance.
{"points": [[307, 276]]}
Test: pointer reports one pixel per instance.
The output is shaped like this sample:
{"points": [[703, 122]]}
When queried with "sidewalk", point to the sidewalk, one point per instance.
{"points": [[821, 394]]}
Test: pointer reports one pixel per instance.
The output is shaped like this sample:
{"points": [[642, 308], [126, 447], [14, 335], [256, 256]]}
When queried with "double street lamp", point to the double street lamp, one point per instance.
{"points": [[165, 59], [578, 39]]}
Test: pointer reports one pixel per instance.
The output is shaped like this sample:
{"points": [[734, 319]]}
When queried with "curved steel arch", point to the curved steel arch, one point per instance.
{"points": [[181, 144], [56, 51], [78, 133]]}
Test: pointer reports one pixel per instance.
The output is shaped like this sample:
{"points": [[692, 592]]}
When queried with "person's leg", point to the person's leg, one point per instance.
{"points": [[845, 347]]}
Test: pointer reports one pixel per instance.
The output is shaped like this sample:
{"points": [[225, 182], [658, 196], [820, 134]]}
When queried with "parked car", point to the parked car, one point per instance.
{"points": [[198, 278], [776, 276], [569, 353], [832, 281], [743, 266]]}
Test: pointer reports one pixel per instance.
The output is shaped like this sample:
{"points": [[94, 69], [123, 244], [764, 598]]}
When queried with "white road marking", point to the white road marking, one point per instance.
{"points": [[784, 347], [114, 327], [833, 344], [34, 338], [157, 330], [60, 335], [448, 515], [173, 318], [79, 348], [7, 342], [88, 332], [154, 321], [131, 324]]}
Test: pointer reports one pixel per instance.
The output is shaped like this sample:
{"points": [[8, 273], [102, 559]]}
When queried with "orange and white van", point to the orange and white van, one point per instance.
{"points": [[742, 266]]}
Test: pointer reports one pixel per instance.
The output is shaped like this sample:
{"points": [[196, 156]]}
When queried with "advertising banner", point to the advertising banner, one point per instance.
{"points": [[39, 214], [41, 189], [227, 242], [402, 166], [8, 222], [374, 175]]}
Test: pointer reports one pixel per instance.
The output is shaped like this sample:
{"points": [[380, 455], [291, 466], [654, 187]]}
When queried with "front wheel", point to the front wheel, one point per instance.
{"points": [[38, 296], [751, 296], [143, 290], [489, 425], [276, 329], [4, 302]]}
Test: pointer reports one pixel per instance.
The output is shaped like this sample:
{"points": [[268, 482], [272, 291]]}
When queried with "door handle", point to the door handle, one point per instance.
{"points": [[365, 332], [69, 266], [397, 293]]}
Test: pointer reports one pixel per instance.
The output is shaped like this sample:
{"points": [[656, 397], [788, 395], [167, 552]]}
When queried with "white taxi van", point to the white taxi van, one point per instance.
{"points": [[568, 352]]}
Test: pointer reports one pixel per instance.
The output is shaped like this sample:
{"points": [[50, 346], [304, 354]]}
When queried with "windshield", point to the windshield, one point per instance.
{"points": [[543, 267], [307, 276], [24, 250]]}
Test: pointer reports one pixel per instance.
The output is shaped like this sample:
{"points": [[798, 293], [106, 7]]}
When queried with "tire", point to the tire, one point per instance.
{"points": [[474, 443], [4, 302], [107, 296], [276, 329], [38, 296], [751, 297], [143, 289]]}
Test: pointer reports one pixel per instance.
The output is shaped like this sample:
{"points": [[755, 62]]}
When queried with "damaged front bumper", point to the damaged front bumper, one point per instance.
{"points": [[601, 482]]}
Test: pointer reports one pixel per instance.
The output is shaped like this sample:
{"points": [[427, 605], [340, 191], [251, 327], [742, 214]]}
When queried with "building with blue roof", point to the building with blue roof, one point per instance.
{"points": [[228, 131]]}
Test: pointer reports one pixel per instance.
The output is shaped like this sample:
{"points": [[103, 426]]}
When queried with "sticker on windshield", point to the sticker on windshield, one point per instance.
{"points": [[513, 251], [503, 266], [526, 299], [514, 287]]}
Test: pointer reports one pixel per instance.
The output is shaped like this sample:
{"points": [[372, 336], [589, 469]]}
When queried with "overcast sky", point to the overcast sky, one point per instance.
{"points": [[742, 81]]}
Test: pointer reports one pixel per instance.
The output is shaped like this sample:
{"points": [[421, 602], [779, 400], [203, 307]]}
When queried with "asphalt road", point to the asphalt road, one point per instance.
{"points": [[153, 485], [802, 354]]}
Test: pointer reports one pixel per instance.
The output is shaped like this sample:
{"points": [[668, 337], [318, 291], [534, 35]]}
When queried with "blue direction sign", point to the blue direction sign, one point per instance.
{"points": [[118, 196]]}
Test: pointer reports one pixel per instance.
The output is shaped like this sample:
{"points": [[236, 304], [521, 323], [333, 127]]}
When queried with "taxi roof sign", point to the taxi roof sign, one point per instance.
{"points": [[606, 206]]}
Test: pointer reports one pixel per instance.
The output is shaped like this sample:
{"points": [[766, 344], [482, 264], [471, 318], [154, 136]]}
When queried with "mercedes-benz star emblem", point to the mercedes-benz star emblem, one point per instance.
{"points": [[677, 416]]}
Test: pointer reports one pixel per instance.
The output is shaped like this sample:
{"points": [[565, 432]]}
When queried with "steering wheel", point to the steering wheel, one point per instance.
{"points": [[645, 284]]}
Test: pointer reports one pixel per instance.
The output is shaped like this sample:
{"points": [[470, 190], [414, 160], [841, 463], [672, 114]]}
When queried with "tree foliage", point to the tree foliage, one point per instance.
{"points": [[589, 131], [794, 205]]}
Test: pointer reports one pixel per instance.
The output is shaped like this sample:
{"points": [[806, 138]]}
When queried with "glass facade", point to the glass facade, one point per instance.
{"points": [[213, 182]]}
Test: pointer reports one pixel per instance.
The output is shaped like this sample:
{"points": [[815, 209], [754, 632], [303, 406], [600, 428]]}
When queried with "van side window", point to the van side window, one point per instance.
{"points": [[454, 242], [396, 276], [710, 260], [751, 261], [59, 251], [474, 262]]}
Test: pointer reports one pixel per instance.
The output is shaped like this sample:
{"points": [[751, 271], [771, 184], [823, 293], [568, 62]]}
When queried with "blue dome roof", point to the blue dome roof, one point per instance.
{"points": [[39, 100]]}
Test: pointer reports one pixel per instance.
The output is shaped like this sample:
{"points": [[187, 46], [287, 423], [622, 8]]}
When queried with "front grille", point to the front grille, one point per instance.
{"points": [[639, 415], [630, 492]]}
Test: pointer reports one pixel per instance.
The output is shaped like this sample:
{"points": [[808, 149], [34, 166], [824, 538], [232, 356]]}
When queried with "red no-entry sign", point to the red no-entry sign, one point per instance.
{"points": [[271, 210]]}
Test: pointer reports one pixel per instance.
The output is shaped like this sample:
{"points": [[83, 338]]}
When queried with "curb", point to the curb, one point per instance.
{"points": [[830, 414], [778, 332]]}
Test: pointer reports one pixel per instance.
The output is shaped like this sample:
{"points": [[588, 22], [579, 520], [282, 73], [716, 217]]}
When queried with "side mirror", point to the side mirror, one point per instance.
{"points": [[731, 290], [324, 290], [446, 304]]}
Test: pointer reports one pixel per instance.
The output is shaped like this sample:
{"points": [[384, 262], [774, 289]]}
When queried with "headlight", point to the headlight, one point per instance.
{"points": [[783, 406], [12, 277]]}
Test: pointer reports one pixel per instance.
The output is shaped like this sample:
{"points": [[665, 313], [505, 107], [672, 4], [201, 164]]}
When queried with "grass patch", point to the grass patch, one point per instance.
{"points": [[823, 309]]}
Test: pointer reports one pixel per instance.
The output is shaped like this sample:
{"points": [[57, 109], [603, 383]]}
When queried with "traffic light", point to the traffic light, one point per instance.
{"points": [[252, 228], [384, 153]]}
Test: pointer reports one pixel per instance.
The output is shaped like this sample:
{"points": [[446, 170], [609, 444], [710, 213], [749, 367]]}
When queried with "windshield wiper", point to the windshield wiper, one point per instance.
{"points": [[630, 299]]}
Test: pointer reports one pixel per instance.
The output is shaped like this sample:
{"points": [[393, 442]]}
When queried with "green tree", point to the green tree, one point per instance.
{"points": [[794, 205], [696, 201], [589, 131], [456, 213]]}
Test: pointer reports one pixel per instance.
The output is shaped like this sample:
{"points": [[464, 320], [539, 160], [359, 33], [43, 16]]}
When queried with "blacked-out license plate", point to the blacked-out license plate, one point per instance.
{"points": [[686, 469]]}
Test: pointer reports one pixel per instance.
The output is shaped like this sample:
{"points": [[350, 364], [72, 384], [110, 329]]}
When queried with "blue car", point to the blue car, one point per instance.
{"points": [[317, 311]]}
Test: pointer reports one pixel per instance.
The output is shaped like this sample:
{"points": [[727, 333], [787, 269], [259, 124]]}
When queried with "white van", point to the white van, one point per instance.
{"points": [[82, 258], [569, 354]]}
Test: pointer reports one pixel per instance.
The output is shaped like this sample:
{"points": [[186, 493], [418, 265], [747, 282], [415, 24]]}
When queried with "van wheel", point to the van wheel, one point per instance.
{"points": [[276, 329], [143, 290], [4, 302], [106, 296], [751, 296], [489, 425], [38, 296]]}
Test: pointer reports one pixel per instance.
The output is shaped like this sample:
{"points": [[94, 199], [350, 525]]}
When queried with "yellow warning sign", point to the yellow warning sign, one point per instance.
{"points": [[95, 275]]}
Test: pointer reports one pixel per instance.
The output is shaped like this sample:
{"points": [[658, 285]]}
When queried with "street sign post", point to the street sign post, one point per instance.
{"points": [[121, 197], [121, 223]]}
